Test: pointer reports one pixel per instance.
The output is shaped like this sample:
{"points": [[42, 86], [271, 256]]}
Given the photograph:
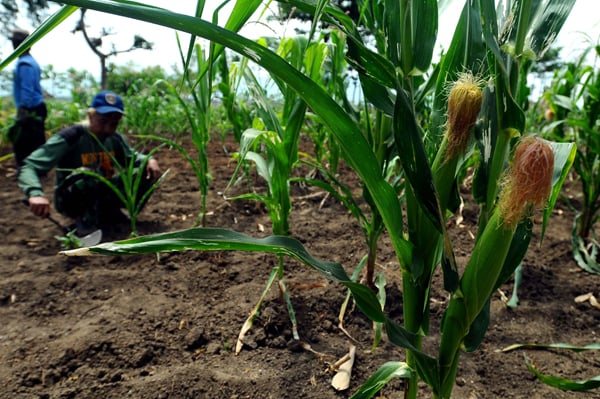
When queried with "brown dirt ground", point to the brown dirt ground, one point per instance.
{"points": [[164, 327]]}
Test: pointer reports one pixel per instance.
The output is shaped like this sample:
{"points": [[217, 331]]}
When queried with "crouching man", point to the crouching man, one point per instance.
{"points": [[86, 199]]}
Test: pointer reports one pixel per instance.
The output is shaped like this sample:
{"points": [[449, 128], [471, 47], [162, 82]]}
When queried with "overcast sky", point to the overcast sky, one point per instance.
{"points": [[64, 50]]}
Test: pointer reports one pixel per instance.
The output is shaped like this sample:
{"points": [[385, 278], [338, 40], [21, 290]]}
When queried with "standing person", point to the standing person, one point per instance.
{"points": [[77, 195], [29, 130]]}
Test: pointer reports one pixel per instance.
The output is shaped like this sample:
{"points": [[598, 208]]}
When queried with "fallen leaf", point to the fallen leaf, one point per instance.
{"points": [[583, 298], [341, 381]]}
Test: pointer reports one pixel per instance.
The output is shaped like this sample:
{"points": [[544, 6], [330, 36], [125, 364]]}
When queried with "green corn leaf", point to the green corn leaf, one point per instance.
{"points": [[559, 345], [242, 11], [486, 134], [46, 26], [411, 32], [427, 367], [387, 372], [477, 285], [263, 168], [546, 23], [564, 156], [425, 28], [251, 197], [262, 104], [414, 159], [478, 329], [585, 254], [368, 63], [293, 128], [378, 95], [489, 25], [398, 25], [314, 58], [511, 115], [486, 263], [321, 4], [216, 239], [564, 383], [516, 252], [329, 14]]}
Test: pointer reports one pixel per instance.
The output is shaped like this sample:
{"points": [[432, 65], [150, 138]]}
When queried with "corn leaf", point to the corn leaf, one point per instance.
{"points": [[398, 23], [546, 23], [424, 29], [478, 328], [558, 345], [516, 252], [242, 11], [564, 156], [585, 253], [377, 94], [486, 134], [414, 159], [427, 366], [217, 239], [46, 26], [368, 63], [564, 383], [381, 377], [329, 13], [263, 106]]}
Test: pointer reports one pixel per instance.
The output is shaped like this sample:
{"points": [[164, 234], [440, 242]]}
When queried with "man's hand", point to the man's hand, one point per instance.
{"points": [[40, 206], [152, 169]]}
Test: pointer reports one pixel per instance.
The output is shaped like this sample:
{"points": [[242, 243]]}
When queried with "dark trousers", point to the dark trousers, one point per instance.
{"points": [[28, 132]]}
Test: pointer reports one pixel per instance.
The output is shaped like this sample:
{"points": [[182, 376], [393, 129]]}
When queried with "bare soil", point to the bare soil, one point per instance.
{"points": [[165, 326]]}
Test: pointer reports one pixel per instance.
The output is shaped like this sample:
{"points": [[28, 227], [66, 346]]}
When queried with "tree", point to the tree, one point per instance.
{"points": [[9, 9], [96, 42]]}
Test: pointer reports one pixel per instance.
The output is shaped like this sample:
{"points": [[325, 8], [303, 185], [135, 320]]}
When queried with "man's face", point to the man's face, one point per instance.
{"points": [[104, 125]]}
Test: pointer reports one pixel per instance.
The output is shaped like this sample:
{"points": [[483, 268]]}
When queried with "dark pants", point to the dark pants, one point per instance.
{"points": [[28, 132], [84, 196]]}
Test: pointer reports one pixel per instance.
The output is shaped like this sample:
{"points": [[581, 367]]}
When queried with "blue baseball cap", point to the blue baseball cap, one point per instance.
{"points": [[107, 101]]}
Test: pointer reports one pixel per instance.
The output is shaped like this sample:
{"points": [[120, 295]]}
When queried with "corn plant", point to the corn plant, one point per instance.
{"points": [[334, 79], [574, 100], [392, 81], [152, 111], [278, 136], [198, 118], [127, 185], [238, 113]]}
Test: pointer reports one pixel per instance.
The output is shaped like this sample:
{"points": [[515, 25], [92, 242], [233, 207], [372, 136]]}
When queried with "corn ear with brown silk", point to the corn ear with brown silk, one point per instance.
{"points": [[527, 187]]}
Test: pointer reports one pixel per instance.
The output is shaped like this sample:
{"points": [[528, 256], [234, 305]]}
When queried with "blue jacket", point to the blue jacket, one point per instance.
{"points": [[27, 90]]}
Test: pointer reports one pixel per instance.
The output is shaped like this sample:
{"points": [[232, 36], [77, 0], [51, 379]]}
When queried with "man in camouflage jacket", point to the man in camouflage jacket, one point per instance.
{"points": [[78, 195]]}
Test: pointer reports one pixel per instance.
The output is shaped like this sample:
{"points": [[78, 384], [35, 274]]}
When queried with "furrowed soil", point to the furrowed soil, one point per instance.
{"points": [[165, 326]]}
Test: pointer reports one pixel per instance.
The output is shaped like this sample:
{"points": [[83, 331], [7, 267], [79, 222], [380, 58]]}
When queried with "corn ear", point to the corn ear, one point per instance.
{"points": [[476, 286], [464, 104], [485, 265]]}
